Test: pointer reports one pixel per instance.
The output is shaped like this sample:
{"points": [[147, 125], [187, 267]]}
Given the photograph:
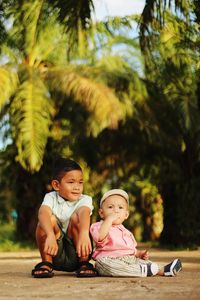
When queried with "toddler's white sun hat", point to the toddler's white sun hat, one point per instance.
{"points": [[114, 192]]}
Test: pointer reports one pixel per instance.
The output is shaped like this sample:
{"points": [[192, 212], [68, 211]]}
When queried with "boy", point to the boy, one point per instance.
{"points": [[62, 233]]}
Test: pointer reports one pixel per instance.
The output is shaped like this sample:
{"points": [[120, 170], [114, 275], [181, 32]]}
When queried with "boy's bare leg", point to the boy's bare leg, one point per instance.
{"points": [[41, 238], [74, 230]]}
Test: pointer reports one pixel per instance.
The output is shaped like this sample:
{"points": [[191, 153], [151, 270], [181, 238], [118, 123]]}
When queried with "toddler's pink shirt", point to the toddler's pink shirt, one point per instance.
{"points": [[119, 242]]}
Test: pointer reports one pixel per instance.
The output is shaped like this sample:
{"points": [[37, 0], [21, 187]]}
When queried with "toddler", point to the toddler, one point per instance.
{"points": [[116, 251]]}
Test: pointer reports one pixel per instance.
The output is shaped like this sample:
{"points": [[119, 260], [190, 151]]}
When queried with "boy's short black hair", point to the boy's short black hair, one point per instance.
{"points": [[62, 166]]}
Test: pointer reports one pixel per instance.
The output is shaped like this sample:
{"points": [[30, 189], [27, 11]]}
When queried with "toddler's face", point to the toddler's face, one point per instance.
{"points": [[117, 205], [70, 187]]}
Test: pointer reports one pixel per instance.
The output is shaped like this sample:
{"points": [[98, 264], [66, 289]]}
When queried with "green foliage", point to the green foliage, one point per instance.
{"points": [[8, 84], [97, 98], [38, 45], [130, 118], [171, 69], [151, 205], [31, 120], [153, 18], [76, 16], [8, 242]]}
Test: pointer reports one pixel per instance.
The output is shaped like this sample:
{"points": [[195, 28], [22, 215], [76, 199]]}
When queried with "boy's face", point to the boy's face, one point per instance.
{"points": [[115, 204], [70, 187]]}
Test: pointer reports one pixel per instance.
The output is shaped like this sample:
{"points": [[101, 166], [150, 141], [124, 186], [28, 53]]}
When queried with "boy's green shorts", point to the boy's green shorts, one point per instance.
{"points": [[66, 258]]}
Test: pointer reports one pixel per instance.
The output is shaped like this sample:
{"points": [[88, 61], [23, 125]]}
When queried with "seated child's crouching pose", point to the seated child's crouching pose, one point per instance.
{"points": [[62, 232], [116, 253]]}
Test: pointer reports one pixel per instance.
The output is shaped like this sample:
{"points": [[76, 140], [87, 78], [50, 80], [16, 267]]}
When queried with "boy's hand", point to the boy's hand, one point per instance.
{"points": [[51, 246], [84, 247]]}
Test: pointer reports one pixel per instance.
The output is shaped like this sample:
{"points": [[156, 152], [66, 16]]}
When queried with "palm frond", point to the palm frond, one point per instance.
{"points": [[51, 44], [153, 16], [8, 84], [31, 12], [118, 74], [3, 33], [112, 31], [72, 12], [175, 38], [123, 40], [97, 98], [31, 113], [39, 40], [26, 16], [76, 15]]}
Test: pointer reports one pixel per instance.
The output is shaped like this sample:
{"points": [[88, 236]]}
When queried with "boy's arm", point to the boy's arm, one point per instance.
{"points": [[84, 247], [44, 217]]}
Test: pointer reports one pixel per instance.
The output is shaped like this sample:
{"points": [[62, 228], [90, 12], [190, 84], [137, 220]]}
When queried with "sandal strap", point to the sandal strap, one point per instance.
{"points": [[86, 266], [85, 263], [42, 264], [42, 269]]}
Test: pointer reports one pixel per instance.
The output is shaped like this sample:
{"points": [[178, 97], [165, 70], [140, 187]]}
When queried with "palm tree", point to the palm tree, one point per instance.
{"points": [[35, 51], [49, 103], [171, 54]]}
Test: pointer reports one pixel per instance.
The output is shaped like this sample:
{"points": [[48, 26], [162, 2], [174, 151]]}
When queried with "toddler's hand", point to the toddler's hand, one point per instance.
{"points": [[113, 217], [144, 255]]}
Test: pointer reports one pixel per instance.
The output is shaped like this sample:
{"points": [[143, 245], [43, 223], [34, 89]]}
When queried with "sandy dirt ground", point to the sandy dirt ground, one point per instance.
{"points": [[17, 283]]}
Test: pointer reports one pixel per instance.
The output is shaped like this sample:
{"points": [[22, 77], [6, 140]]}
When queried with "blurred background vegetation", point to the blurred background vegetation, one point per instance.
{"points": [[125, 105]]}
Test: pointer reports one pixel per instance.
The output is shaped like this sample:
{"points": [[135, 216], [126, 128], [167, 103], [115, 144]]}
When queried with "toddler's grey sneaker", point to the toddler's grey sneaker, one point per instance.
{"points": [[149, 269], [152, 269], [173, 268]]}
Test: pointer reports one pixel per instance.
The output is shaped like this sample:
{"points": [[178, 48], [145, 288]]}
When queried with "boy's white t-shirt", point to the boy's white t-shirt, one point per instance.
{"points": [[63, 209]]}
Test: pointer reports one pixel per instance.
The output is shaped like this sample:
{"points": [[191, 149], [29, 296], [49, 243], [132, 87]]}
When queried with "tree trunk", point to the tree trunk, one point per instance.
{"points": [[181, 213], [29, 194]]}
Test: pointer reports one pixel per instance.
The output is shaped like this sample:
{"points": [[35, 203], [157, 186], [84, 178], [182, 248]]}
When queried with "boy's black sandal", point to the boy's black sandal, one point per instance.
{"points": [[46, 269], [84, 267]]}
